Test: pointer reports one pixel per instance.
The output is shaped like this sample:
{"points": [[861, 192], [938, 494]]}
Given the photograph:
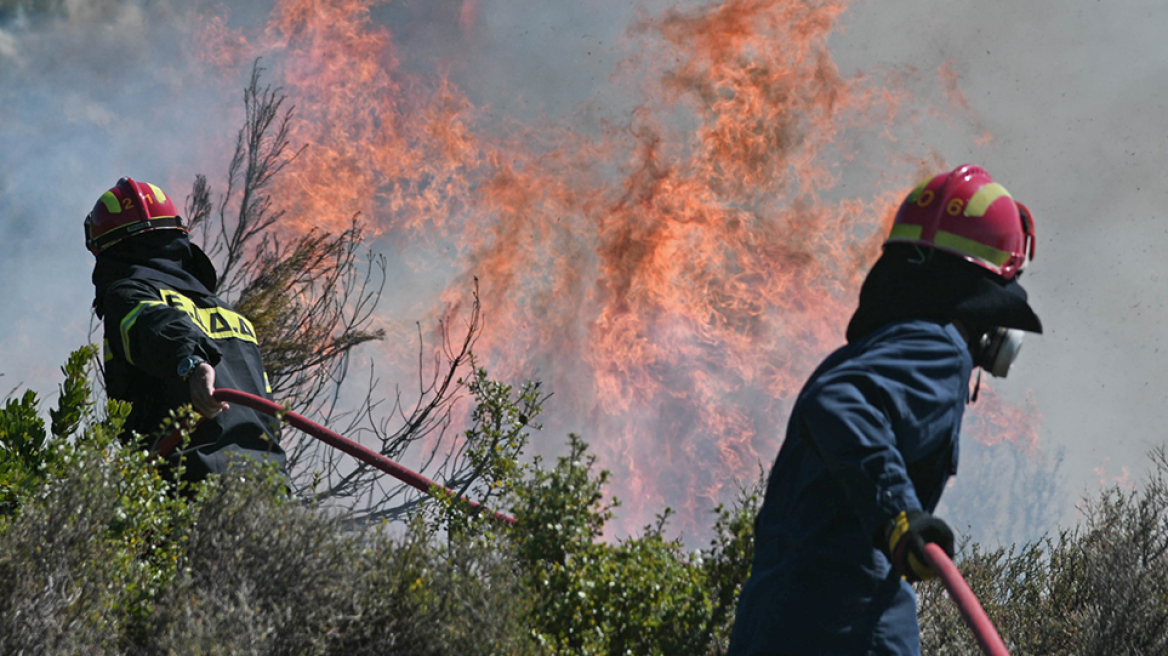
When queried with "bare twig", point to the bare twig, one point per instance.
{"points": [[312, 300]]}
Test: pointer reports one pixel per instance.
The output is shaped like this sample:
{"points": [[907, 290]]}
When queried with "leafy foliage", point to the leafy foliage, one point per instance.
{"points": [[1101, 588], [26, 450], [99, 554], [640, 595], [496, 438], [23, 444], [263, 574], [81, 559]]}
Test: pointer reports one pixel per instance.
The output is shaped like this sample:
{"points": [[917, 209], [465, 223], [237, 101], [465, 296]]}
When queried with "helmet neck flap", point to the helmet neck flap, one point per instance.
{"points": [[911, 282]]}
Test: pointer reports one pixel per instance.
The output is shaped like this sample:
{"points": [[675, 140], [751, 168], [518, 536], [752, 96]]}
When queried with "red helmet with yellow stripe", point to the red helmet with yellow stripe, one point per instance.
{"points": [[966, 213], [129, 208]]}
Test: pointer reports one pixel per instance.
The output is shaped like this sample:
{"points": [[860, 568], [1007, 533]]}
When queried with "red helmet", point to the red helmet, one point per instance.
{"points": [[966, 213], [129, 208]]}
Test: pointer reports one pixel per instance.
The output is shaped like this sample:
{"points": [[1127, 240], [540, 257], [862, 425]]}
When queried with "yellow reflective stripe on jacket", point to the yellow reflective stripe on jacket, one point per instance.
{"points": [[899, 528], [128, 323], [216, 322]]}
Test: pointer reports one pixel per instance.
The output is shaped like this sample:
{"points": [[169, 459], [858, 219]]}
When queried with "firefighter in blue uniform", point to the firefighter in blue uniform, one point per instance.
{"points": [[873, 436], [169, 340]]}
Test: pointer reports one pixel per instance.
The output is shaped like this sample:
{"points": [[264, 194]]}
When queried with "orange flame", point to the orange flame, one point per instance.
{"points": [[468, 14], [993, 421], [673, 279], [950, 83]]}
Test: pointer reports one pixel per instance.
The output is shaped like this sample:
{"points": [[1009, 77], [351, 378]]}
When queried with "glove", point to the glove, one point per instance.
{"points": [[905, 537]]}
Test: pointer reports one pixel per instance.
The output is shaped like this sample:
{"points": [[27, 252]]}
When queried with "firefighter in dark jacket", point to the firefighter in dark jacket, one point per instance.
{"points": [[169, 340], [873, 436]]}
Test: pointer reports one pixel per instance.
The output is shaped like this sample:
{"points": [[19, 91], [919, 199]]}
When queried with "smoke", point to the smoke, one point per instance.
{"points": [[1062, 105], [90, 92], [1073, 96]]}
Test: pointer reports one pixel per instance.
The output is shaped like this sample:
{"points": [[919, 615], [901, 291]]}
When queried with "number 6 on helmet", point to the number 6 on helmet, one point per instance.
{"points": [[966, 213]]}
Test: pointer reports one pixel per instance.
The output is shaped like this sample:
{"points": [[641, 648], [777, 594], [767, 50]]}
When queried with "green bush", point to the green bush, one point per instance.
{"points": [[27, 451], [99, 554], [641, 595], [83, 547], [262, 574], [1099, 589]]}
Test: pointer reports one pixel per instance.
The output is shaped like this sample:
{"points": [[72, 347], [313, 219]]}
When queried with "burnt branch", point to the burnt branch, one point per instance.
{"points": [[199, 207], [402, 428], [262, 150], [312, 299]]}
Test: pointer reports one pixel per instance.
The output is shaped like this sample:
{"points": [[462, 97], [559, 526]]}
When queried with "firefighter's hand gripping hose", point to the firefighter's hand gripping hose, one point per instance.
{"points": [[987, 636], [368, 456], [906, 536], [919, 546]]}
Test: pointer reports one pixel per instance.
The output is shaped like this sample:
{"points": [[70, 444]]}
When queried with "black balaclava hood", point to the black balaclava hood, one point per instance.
{"points": [[911, 282], [164, 256]]}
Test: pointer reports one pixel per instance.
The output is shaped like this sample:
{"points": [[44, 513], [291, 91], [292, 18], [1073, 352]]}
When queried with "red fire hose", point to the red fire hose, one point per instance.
{"points": [[987, 636], [407, 476]]}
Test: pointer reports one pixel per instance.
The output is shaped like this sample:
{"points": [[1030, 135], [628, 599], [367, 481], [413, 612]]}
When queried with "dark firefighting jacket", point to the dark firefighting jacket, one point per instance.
{"points": [[873, 432], [150, 327]]}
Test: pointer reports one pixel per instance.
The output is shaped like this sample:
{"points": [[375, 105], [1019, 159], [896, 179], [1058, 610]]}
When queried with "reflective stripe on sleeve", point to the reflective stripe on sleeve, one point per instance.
{"points": [[215, 322], [128, 323]]}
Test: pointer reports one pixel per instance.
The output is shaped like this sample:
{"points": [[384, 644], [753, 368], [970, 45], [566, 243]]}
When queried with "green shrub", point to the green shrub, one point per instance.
{"points": [[641, 595], [83, 546], [1099, 589], [100, 555], [263, 574], [27, 451]]}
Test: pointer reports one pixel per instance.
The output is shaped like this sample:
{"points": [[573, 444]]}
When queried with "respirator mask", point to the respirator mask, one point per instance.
{"points": [[997, 350]]}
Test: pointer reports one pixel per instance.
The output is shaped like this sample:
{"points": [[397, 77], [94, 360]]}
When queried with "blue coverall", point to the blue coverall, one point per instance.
{"points": [[874, 432]]}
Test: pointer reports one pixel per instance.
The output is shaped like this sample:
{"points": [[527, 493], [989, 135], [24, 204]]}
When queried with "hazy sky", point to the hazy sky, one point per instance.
{"points": [[1073, 95]]}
